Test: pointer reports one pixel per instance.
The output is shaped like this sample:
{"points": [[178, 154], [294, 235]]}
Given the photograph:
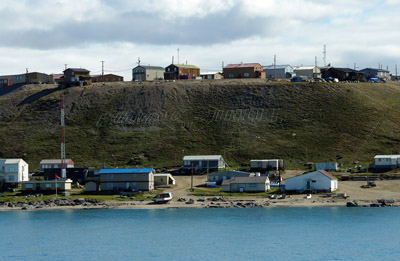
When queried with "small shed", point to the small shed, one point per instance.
{"points": [[163, 179], [316, 181], [246, 184]]}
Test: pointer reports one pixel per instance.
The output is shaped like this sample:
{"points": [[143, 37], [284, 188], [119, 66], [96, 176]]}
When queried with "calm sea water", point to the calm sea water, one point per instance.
{"points": [[202, 234]]}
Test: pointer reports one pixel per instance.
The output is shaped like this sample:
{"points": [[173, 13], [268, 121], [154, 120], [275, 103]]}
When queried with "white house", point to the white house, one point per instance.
{"points": [[246, 184], [315, 181], [327, 166], [278, 71], [13, 171], [308, 72], [387, 161], [204, 162], [55, 164]]}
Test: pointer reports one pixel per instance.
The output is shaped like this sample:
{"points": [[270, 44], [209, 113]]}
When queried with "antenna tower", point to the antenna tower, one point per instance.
{"points": [[324, 53], [63, 167]]}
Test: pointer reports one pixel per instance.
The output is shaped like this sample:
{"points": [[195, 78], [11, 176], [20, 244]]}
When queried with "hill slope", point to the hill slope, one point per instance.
{"points": [[155, 124]]}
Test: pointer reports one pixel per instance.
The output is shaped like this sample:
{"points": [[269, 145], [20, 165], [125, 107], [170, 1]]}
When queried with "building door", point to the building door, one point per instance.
{"points": [[127, 186], [308, 185]]}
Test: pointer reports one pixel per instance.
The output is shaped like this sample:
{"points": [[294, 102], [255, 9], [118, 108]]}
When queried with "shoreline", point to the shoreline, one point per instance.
{"points": [[200, 203]]}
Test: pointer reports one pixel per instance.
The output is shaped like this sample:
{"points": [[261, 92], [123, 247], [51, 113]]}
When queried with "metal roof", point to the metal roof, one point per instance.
{"points": [[125, 171], [185, 66], [271, 67], [203, 157], [246, 180], [13, 161], [149, 67], [77, 70], [386, 156], [54, 161], [242, 65], [323, 172]]}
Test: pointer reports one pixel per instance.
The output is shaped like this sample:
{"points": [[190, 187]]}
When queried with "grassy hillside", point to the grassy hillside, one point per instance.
{"points": [[155, 124]]}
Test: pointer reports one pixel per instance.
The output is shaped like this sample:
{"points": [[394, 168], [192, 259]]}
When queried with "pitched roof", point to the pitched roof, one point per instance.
{"points": [[245, 180], [203, 157], [77, 70], [271, 67], [149, 67], [323, 172], [326, 173], [386, 156], [184, 66], [125, 171], [13, 161], [343, 69], [54, 161], [108, 74], [242, 65]]}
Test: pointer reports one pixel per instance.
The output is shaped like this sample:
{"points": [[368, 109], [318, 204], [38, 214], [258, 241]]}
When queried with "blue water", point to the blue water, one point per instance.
{"points": [[202, 234]]}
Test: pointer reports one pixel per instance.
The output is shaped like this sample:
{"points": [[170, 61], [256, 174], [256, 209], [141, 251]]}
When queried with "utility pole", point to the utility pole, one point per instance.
{"points": [[26, 70], [324, 53], [138, 63], [66, 66], [102, 68]]}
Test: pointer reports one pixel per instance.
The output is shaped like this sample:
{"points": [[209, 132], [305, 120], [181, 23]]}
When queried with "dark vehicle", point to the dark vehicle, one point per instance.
{"points": [[372, 184]]}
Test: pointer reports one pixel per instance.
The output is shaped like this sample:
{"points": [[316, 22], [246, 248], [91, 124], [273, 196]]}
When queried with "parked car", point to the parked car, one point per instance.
{"points": [[372, 184]]}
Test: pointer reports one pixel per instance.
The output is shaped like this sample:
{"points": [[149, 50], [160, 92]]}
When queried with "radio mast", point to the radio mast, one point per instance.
{"points": [[324, 53], [63, 167]]}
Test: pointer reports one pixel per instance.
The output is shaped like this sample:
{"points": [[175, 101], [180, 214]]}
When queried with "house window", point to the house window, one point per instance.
{"points": [[11, 170], [231, 75], [72, 79], [109, 185], [125, 175], [11, 178], [252, 185], [28, 186], [58, 185], [168, 69], [134, 175], [72, 73], [175, 69], [48, 185], [133, 183], [109, 176], [246, 75], [144, 175]]}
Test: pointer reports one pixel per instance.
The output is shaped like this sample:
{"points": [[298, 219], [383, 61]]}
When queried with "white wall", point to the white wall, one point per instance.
{"points": [[322, 182]]}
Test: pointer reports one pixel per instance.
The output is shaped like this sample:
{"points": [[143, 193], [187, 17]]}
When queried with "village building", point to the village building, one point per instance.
{"points": [[327, 166], [55, 164], [10, 80], [163, 179], [312, 182], [246, 184], [266, 164], [212, 76], [218, 177], [77, 76], [126, 179], [46, 186], [58, 78], [342, 74], [307, 72], [13, 171], [243, 70], [387, 161], [181, 72], [202, 163], [107, 78], [143, 73], [376, 73], [38, 78], [278, 71]]}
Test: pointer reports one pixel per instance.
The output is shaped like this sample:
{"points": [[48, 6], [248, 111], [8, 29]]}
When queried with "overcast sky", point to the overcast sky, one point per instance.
{"points": [[44, 35]]}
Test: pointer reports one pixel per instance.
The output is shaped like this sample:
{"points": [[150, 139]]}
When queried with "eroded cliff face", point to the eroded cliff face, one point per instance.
{"points": [[155, 124]]}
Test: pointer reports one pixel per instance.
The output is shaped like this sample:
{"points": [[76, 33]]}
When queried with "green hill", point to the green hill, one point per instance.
{"points": [[155, 124]]}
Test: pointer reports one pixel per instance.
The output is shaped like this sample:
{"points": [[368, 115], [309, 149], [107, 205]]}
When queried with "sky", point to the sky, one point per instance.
{"points": [[48, 35]]}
